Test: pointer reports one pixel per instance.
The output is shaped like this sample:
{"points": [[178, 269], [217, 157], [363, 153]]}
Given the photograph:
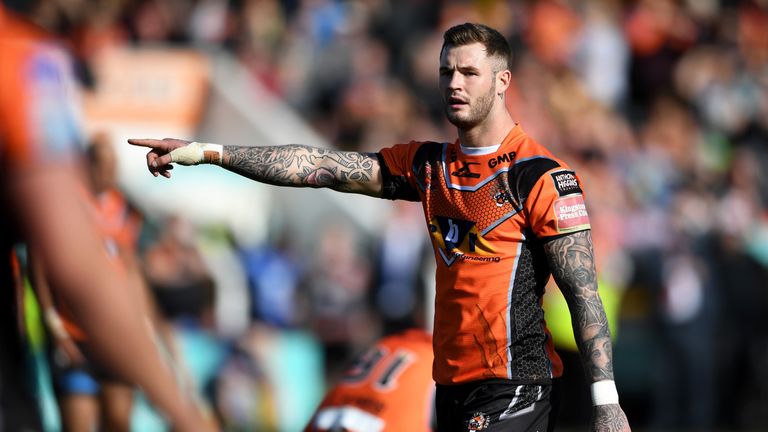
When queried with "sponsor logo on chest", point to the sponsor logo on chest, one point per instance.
{"points": [[504, 158]]}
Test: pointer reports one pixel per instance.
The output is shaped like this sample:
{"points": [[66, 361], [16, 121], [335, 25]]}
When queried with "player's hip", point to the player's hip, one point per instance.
{"points": [[496, 405]]}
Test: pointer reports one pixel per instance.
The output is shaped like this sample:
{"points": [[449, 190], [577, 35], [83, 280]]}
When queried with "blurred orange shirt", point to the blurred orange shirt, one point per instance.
{"points": [[119, 227], [37, 88], [119, 222], [387, 389]]}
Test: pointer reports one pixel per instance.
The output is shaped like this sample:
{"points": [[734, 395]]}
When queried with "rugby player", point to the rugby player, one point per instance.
{"points": [[504, 214]]}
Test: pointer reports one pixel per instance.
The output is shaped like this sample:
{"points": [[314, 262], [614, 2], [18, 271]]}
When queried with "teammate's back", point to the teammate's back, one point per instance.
{"points": [[388, 388]]}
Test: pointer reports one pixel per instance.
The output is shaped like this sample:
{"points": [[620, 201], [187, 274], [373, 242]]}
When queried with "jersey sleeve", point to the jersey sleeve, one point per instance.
{"points": [[556, 206], [40, 119], [398, 179]]}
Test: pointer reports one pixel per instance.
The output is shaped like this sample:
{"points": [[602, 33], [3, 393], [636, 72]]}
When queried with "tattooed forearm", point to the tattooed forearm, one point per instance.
{"points": [[571, 259], [609, 418], [298, 165]]}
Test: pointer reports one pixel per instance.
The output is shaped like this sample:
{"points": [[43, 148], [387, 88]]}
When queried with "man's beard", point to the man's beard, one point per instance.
{"points": [[477, 112]]}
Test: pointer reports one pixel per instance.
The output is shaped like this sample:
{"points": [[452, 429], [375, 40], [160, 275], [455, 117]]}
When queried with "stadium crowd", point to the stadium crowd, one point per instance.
{"points": [[660, 105]]}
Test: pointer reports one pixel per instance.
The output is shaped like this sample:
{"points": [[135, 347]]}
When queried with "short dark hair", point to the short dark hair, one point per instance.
{"points": [[468, 33]]}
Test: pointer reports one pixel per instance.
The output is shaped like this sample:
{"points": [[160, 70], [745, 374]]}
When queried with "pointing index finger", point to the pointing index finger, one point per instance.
{"points": [[146, 142]]}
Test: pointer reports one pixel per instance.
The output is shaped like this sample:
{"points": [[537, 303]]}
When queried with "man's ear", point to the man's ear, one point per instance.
{"points": [[503, 78]]}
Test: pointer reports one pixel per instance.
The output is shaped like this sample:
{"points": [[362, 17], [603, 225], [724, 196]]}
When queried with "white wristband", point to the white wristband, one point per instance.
{"points": [[604, 393], [196, 153]]}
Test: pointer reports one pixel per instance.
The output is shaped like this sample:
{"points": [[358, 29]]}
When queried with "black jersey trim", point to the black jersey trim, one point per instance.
{"points": [[527, 172], [557, 236], [395, 187], [428, 153]]}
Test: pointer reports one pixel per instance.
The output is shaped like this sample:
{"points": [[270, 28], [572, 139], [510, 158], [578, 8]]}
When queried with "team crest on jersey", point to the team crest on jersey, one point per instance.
{"points": [[460, 239], [502, 197], [478, 422]]}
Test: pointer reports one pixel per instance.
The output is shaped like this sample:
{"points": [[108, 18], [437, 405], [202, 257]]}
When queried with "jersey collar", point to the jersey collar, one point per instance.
{"points": [[515, 134]]}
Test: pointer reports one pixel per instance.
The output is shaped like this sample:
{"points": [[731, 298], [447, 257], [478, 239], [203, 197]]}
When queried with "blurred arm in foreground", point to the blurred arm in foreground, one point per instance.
{"points": [[43, 208]]}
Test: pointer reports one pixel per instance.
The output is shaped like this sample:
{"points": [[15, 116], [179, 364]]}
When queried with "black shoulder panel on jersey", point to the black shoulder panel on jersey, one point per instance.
{"points": [[395, 187], [429, 153], [524, 175]]}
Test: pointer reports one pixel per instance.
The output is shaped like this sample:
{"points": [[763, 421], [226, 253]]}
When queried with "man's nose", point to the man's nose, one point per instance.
{"points": [[455, 82]]}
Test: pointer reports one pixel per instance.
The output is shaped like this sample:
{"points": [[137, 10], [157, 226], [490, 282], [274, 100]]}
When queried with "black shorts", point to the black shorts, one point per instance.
{"points": [[496, 405]]}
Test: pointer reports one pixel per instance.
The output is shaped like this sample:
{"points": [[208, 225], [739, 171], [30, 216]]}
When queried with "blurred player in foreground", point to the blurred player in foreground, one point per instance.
{"points": [[87, 395], [503, 214], [43, 206], [388, 388]]}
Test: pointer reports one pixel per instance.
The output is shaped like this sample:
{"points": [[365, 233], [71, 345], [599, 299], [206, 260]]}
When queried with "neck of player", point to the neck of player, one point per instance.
{"points": [[490, 131]]}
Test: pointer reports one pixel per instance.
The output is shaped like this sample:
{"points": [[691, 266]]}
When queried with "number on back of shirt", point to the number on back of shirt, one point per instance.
{"points": [[388, 367]]}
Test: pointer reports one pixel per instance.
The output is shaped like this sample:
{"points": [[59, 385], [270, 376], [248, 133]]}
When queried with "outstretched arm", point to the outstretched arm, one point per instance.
{"points": [[287, 165], [571, 259]]}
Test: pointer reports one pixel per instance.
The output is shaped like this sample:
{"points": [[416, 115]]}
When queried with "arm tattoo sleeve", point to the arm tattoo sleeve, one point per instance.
{"points": [[305, 166], [571, 259], [610, 418]]}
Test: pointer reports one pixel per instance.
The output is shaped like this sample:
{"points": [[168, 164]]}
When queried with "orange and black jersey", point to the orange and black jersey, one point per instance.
{"points": [[488, 216], [386, 389]]}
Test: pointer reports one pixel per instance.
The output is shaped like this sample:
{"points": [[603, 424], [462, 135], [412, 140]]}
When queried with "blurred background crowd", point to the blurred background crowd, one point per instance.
{"points": [[661, 106]]}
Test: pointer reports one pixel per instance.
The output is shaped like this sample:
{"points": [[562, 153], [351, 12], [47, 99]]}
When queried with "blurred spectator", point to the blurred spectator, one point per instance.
{"points": [[658, 32], [176, 272], [337, 286], [244, 394], [685, 376], [399, 293], [552, 31], [272, 380], [274, 276], [603, 55], [183, 296]]}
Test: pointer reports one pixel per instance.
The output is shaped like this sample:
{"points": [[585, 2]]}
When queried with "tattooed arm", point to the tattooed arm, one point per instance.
{"points": [[288, 165], [571, 259], [298, 165]]}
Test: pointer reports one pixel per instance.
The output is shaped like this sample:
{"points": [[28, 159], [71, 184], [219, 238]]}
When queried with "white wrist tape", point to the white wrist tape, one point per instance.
{"points": [[196, 153], [604, 393]]}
